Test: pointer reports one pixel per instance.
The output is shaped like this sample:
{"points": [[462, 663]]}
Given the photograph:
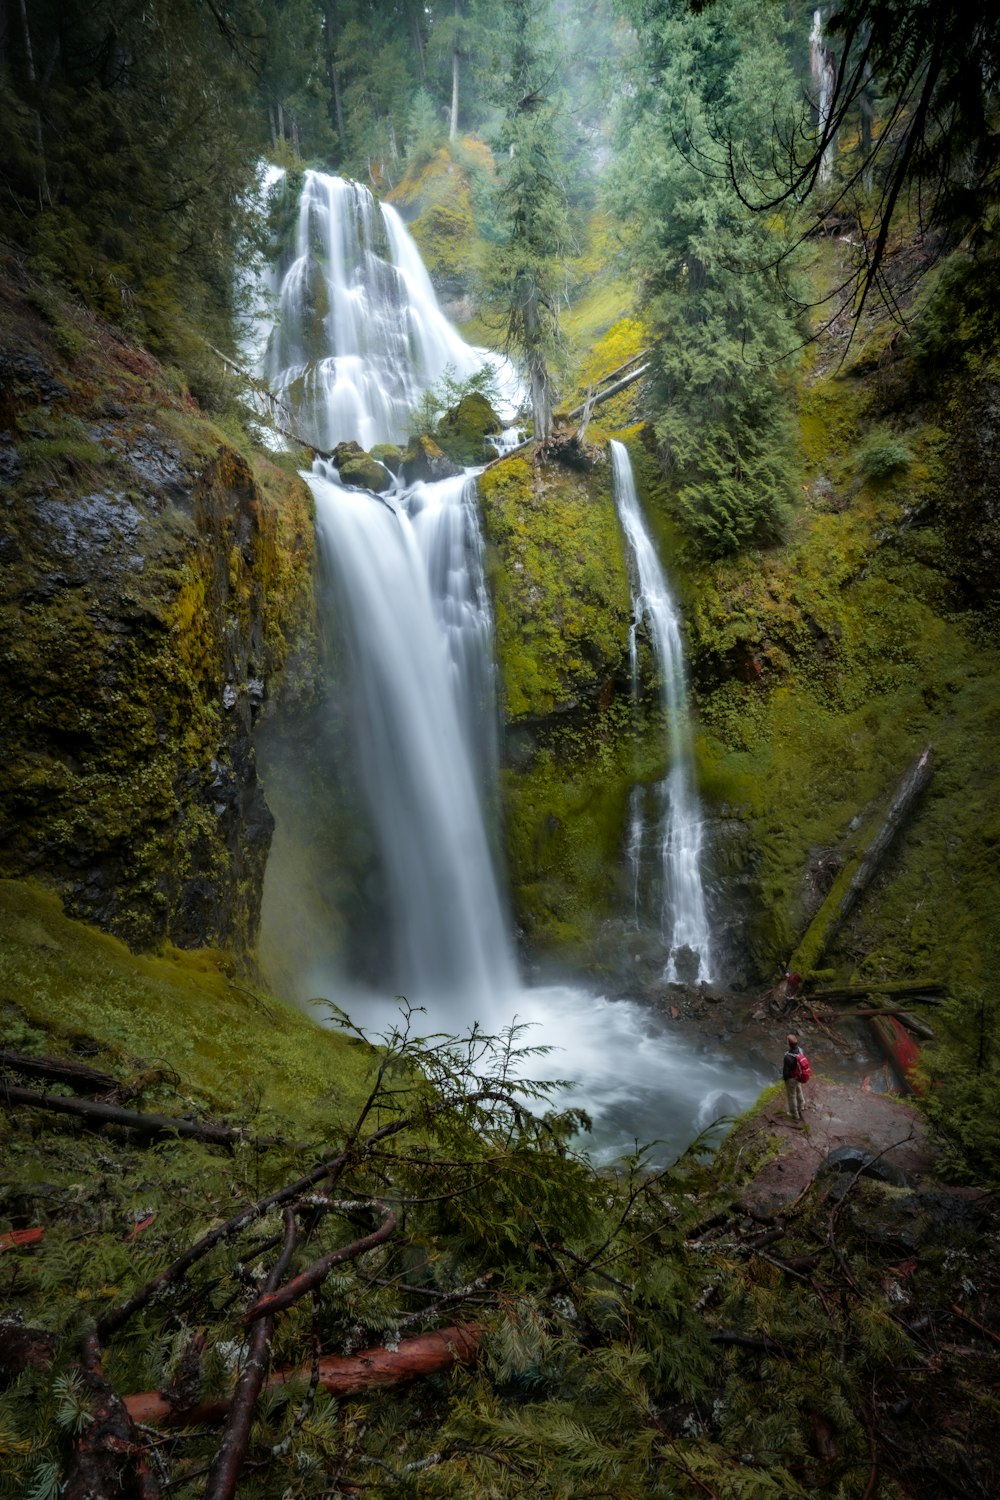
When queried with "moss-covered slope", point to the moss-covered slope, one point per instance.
{"points": [[823, 666]]}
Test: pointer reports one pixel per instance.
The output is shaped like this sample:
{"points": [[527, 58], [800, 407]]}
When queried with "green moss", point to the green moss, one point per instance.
{"points": [[126, 610], [561, 588], [182, 1016], [821, 669], [575, 744]]}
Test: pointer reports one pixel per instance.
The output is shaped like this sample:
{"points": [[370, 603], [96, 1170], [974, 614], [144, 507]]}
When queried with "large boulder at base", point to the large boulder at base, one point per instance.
{"points": [[357, 467], [461, 431], [423, 459]]}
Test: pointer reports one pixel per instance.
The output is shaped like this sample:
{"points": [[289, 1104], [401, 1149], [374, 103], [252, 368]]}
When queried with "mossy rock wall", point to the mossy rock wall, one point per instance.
{"points": [[575, 744], [154, 586], [821, 667]]}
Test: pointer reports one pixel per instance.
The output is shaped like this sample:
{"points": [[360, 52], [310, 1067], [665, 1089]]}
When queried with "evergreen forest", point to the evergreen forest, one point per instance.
{"points": [[499, 556]]}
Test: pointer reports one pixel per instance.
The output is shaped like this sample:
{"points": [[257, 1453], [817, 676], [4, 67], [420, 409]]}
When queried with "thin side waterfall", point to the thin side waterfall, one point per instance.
{"points": [[824, 77], [415, 711], [685, 923]]}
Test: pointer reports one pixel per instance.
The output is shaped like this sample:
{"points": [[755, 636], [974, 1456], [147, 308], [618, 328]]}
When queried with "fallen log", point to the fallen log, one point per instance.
{"points": [[900, 1049], [919, 991], [612, 390], [857, 874], [58, 1070], [339, 1374], [112, 1114], [919, 1028]]}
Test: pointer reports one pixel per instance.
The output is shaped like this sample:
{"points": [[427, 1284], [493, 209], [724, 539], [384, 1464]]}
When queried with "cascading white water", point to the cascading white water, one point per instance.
{"points": [[406, 573], [359, 335], [417, 616], [684, 917]]}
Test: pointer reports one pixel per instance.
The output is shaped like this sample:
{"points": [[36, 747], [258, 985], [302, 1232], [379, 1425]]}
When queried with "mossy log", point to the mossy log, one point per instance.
{"points": [[857, 874], [78, 1076], [96, 1113], [340, 1375], [918, 991], [866, 1013]]}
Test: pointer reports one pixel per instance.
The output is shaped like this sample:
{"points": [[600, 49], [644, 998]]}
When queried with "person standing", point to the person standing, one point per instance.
{"points": [[791, 1073]]}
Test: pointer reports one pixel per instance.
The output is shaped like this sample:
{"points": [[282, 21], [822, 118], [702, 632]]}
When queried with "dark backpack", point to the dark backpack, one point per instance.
{"points": [[803, 1070]]}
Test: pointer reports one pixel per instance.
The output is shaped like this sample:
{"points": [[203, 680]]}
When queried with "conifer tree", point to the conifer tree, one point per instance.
{"points": [[706, 267], [524, 276]]}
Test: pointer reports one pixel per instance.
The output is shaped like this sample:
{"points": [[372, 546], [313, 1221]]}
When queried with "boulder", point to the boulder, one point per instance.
{"points": [[461, 430], [390, 455], [356, 467], [423, 459]]}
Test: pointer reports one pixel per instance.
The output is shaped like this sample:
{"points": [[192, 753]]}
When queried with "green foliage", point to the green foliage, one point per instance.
{"points": [[449, 392], [523, 275], [708, 269], [883, 455]]}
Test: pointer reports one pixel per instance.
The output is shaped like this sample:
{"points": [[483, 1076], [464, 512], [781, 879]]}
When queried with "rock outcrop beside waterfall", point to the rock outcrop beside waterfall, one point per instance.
{"points": [[152, 593]]}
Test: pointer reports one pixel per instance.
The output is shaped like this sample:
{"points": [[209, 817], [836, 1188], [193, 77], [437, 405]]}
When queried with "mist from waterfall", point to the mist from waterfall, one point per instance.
{"points": [[683, 914]]}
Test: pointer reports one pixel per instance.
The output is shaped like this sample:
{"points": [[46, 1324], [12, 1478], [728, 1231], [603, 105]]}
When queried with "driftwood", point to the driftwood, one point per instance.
{"points": [[76, 1075], [856, 876], [113, 1114], [340, 1374]]}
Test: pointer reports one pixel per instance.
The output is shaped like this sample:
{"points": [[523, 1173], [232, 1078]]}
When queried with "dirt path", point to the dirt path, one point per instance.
{"points": [[837, 1115]]}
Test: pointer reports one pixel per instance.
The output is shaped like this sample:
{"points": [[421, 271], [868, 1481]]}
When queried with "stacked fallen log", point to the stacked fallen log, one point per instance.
{"points": [[857, 874]]}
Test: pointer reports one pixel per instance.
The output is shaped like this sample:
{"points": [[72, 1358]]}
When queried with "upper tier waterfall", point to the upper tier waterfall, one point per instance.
{"points": [[358, 334], [685, 922]]}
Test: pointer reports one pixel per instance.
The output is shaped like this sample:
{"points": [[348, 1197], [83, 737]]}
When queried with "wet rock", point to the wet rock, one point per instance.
{"points": [[423, 459], [390, 455], [461, 431], [853, 1159], [361, 469]]}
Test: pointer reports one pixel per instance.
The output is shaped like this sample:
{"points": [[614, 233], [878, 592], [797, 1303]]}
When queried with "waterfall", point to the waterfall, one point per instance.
{"points": [[685, 923], [359, 336], [821, 65], [415, 607], [359, 332]]}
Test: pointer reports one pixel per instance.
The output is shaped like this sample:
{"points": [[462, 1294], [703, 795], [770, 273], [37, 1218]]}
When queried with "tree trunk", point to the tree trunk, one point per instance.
{"points": [[453, 122], [333, 79], [855, 878], [341, 1375], [44, 196]]}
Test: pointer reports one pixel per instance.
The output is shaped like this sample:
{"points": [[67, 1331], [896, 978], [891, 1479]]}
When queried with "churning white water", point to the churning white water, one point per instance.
{"points": [[685, 922], [408, 594]]}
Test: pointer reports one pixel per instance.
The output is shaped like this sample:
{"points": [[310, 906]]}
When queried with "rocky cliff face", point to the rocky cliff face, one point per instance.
{"points": [[152, 589]]}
